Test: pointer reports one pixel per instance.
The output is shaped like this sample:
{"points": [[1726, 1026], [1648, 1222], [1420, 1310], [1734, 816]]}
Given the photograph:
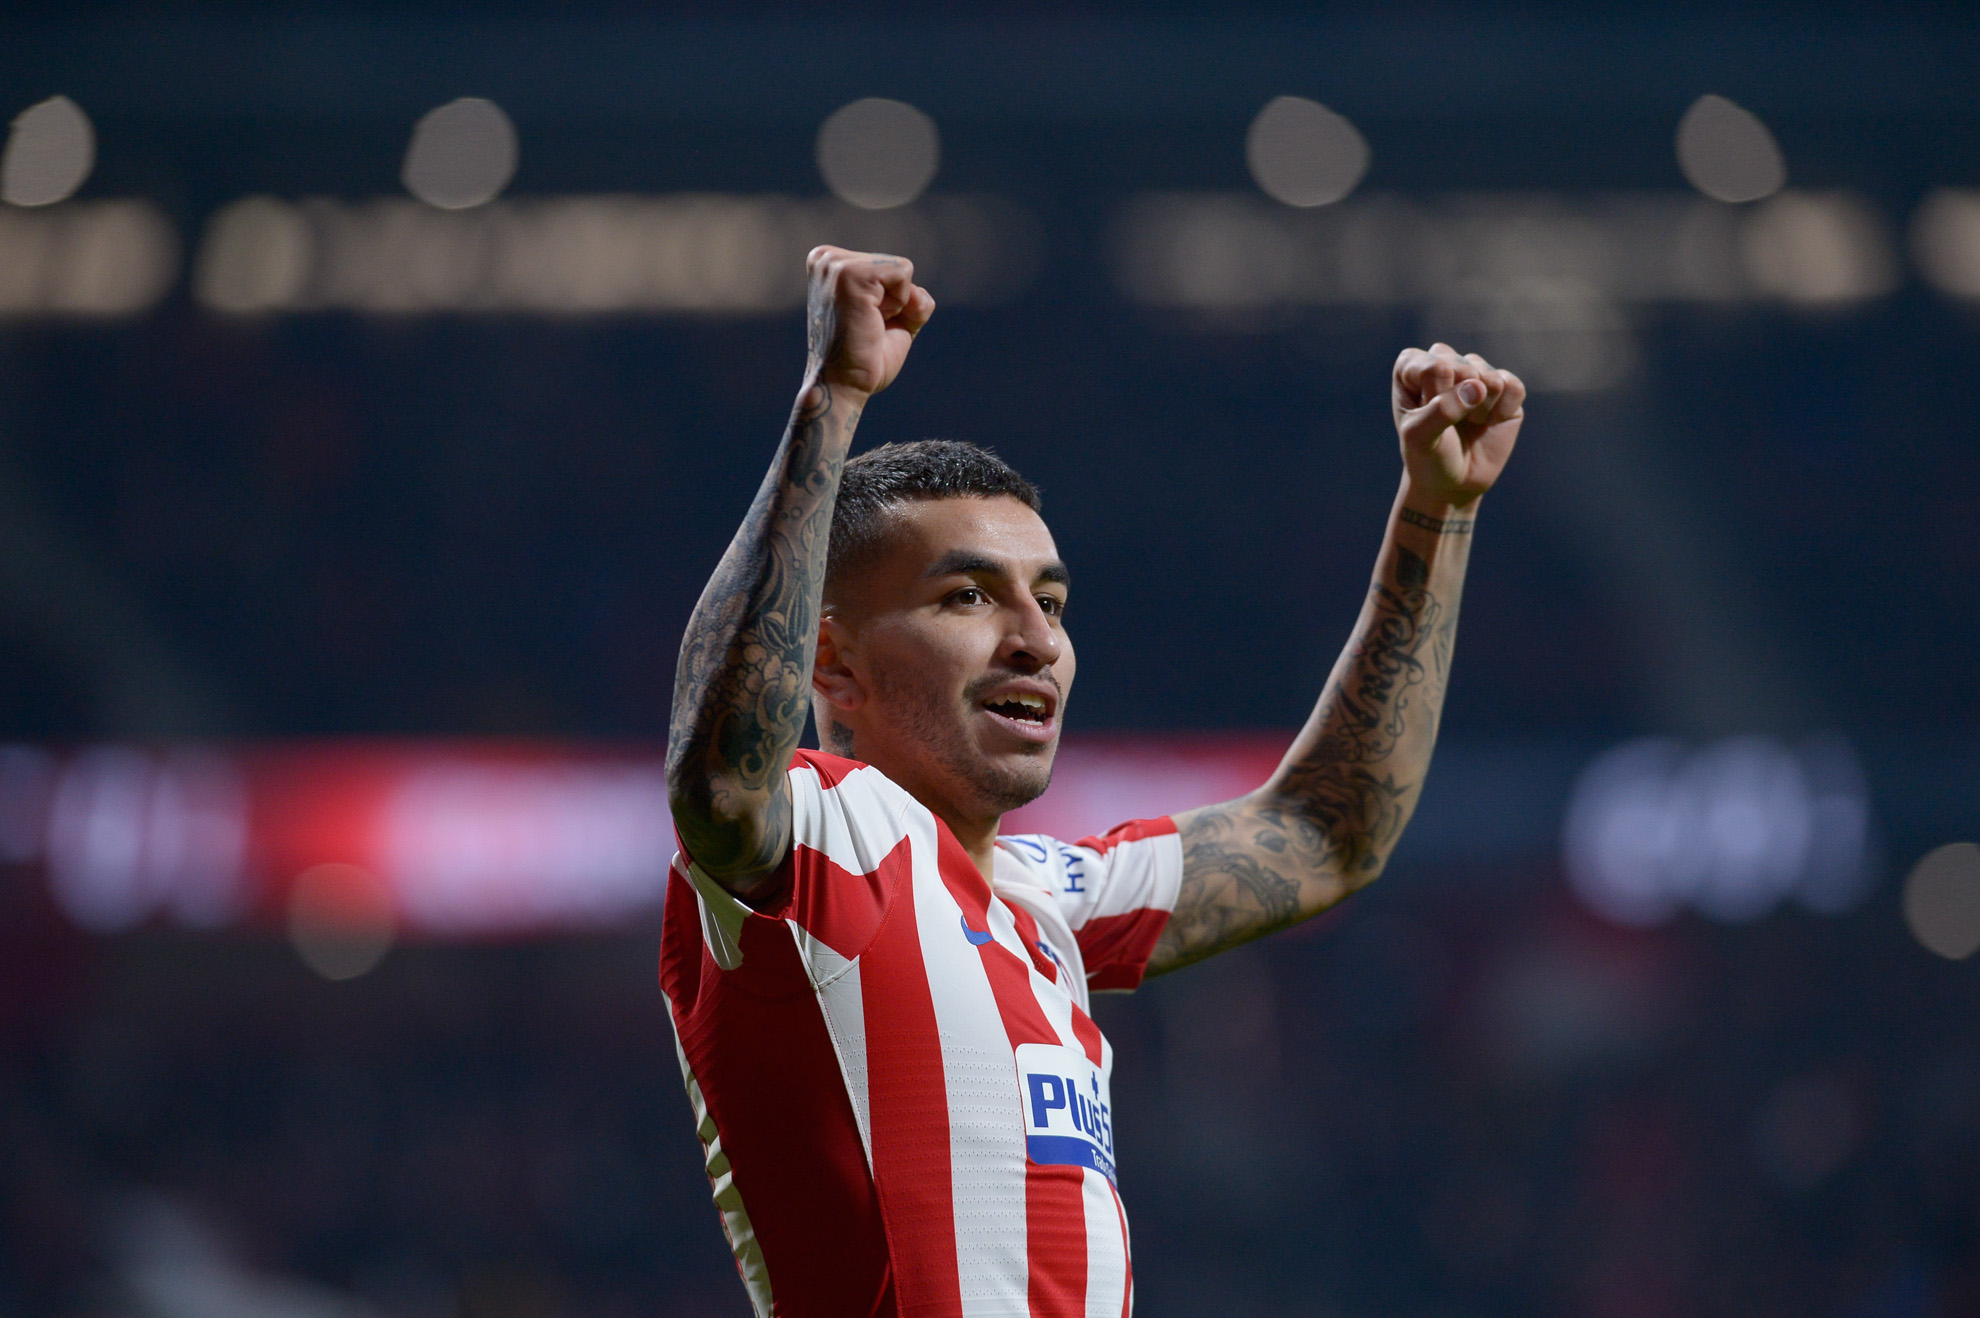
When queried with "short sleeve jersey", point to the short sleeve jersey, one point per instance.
{"points": [[901, 1098]]}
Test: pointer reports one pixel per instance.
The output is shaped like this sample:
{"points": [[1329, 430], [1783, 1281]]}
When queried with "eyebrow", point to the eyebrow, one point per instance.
{"points": [[968, 563]]}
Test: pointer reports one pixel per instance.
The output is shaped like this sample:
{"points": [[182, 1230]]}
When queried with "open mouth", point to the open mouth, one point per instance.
{"points": [[1021, 708], [1027, 716]]}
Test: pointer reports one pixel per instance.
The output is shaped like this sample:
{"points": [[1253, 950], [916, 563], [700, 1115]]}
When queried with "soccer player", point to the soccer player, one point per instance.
{"points": [[880, 1005]]}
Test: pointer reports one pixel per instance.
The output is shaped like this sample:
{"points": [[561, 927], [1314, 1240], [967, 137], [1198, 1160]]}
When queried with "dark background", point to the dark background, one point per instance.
{"points": [[327, 525]]}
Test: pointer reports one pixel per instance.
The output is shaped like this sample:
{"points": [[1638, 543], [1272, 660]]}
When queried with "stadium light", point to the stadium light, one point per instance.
{"points": [[1942, 901], [462, 154], [877, 154], [341, 920], [1303, 154], [1727, 153], [50, 151], [1729, 830], [1945, 239]]}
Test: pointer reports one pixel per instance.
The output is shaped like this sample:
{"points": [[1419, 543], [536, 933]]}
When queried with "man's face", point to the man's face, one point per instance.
{"points": [[947, 658]]}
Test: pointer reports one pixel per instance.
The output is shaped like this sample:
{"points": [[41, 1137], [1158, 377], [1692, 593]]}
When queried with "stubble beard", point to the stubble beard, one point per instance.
{"points": [[932, 720]]}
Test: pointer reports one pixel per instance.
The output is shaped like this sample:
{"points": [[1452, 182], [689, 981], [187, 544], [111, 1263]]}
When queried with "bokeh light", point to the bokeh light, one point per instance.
{"points": [[113, 258], [1945, 240], [1818, 248], [256, 257], [49, 153], [1730, 829], [1554, 275], [342, 920], [877, 154], [1942, 900], [1566, 335], [132, 834], [462, 154], [1304, 154], [1727, 153], [91, 258], [724, 253], [483, 848]]}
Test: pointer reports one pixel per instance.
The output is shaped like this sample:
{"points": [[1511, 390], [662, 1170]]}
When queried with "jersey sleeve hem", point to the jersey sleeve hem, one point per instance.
{"points": [[1122, 946], [1124, 917]]}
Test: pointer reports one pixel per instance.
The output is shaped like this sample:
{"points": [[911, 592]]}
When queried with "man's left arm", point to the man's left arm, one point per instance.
{"points": [[1325, 823]]}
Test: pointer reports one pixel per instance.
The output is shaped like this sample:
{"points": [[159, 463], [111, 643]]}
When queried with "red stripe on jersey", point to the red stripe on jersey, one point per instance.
{"points": [[1088, 1035], [1084, 1029], [754, 1036], [839, 908], [1132, 831], [1054, 1240], [1121, 945], [1054, 1195], [960, 876], [1041, 960], [832, 769], [774, 893], [908, 1107]]}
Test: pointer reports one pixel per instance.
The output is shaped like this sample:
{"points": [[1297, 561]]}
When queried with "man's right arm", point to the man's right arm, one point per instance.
{"points": [[743, 684]]}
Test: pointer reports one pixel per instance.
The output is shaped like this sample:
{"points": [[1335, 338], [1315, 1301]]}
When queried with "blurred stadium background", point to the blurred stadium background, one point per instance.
{"points": [[378, 386]]}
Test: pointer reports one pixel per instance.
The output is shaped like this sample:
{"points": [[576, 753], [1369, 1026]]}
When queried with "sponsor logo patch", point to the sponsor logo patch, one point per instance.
{"points": [[1068, 1116]]}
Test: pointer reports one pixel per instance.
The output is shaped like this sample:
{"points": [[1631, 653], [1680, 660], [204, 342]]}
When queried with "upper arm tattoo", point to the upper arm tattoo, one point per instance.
{"points": [[742, 688], [1326, 823]]}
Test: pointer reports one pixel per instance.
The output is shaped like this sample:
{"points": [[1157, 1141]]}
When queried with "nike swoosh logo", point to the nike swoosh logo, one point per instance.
{"points": [[977, 937]]}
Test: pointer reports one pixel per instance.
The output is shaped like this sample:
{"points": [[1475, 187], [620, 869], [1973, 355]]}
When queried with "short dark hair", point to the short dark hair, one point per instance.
{"points": [[891, 474]]}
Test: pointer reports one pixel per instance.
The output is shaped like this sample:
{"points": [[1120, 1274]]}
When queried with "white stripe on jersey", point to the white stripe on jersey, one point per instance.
{"points": [[1141, 873], [722, 915], [855, 829], [836, 981], [1052, 927], [986, 1128], [1017, 885], [1106, 1250], [1004, 929]]}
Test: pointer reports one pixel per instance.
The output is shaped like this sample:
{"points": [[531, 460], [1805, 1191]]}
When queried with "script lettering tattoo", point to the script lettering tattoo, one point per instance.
{"points": [[1326, 823], [743, 686], [1437, 525]]}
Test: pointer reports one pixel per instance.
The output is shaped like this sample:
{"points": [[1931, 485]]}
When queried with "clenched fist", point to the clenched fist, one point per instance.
{"points": [[864, 311], [1458, 418]]}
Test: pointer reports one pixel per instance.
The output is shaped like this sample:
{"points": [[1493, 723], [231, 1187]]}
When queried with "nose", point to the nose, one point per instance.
{"points": [[1032, 642]]}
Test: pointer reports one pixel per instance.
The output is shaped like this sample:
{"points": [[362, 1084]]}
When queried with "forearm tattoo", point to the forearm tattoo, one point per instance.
{"points": [[1327, 822], [743, 685], [1437, 525]]}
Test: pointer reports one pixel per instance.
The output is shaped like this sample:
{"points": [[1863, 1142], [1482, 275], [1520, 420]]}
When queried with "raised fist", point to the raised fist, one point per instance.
{"points": [[1457, 417], [865, 310]]}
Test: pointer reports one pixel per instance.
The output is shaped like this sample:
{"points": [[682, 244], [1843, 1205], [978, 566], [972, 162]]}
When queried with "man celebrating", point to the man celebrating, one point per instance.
{"points": [[880, 1005]]}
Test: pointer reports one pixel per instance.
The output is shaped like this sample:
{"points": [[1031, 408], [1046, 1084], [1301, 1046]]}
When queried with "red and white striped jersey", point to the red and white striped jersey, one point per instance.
{"points": [[901, 1098]]}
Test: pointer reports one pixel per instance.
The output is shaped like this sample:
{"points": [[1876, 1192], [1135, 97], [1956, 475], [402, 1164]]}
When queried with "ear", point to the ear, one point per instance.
{"points": [[832, 676]]}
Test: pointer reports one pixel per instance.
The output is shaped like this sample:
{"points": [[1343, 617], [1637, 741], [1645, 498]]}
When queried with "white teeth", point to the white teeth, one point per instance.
{"points": [[1034, 706]]}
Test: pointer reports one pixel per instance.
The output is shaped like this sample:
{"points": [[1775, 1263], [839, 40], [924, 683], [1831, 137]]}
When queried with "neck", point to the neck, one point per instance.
{"points": [[976, 833], [978, 836]]}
